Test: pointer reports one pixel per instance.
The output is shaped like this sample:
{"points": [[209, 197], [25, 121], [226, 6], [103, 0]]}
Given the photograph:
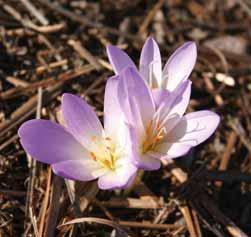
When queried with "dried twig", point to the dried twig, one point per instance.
{"points": [[150, 16], [54, 207], [132, 203], [45, 204], [33, 167], [117, 225], [226, 156], [84, 53], [32, 9]]}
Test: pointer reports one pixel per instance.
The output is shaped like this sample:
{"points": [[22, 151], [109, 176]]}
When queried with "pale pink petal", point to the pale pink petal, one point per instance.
{"points": [[77, 169], [150, 63], [113, 117], [179, 66], [147, 162], [49, 142], [119, 178], [142, 161], [160, 95], [194, 128], [118, 59], [81, 120], [172, 150], [175, 102], [171, 106], [181, 97], [134, 95], [170, 122]]}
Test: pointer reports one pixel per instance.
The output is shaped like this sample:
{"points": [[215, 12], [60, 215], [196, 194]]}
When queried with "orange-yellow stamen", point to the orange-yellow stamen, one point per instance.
{"points": [[105, 156], [153, 136], [93, 156]]}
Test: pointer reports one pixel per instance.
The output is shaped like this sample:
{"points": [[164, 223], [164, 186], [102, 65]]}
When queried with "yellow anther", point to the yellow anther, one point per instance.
{"points": [[93, 156], [153, 137], [105, 155], [93, 138]]}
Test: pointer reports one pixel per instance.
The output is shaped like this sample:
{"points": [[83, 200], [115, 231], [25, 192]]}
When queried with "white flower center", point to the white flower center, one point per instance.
{"points": [[107, 153]]}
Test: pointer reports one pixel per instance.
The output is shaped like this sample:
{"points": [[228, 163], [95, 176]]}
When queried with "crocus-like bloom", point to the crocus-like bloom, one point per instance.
{"points": [[156, 123], [84, 150], [176, 70]]}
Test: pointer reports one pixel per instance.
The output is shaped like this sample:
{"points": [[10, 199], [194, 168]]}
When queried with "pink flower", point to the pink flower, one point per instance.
{"points": [[84, 150], [158, 127], [176, 70]]}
